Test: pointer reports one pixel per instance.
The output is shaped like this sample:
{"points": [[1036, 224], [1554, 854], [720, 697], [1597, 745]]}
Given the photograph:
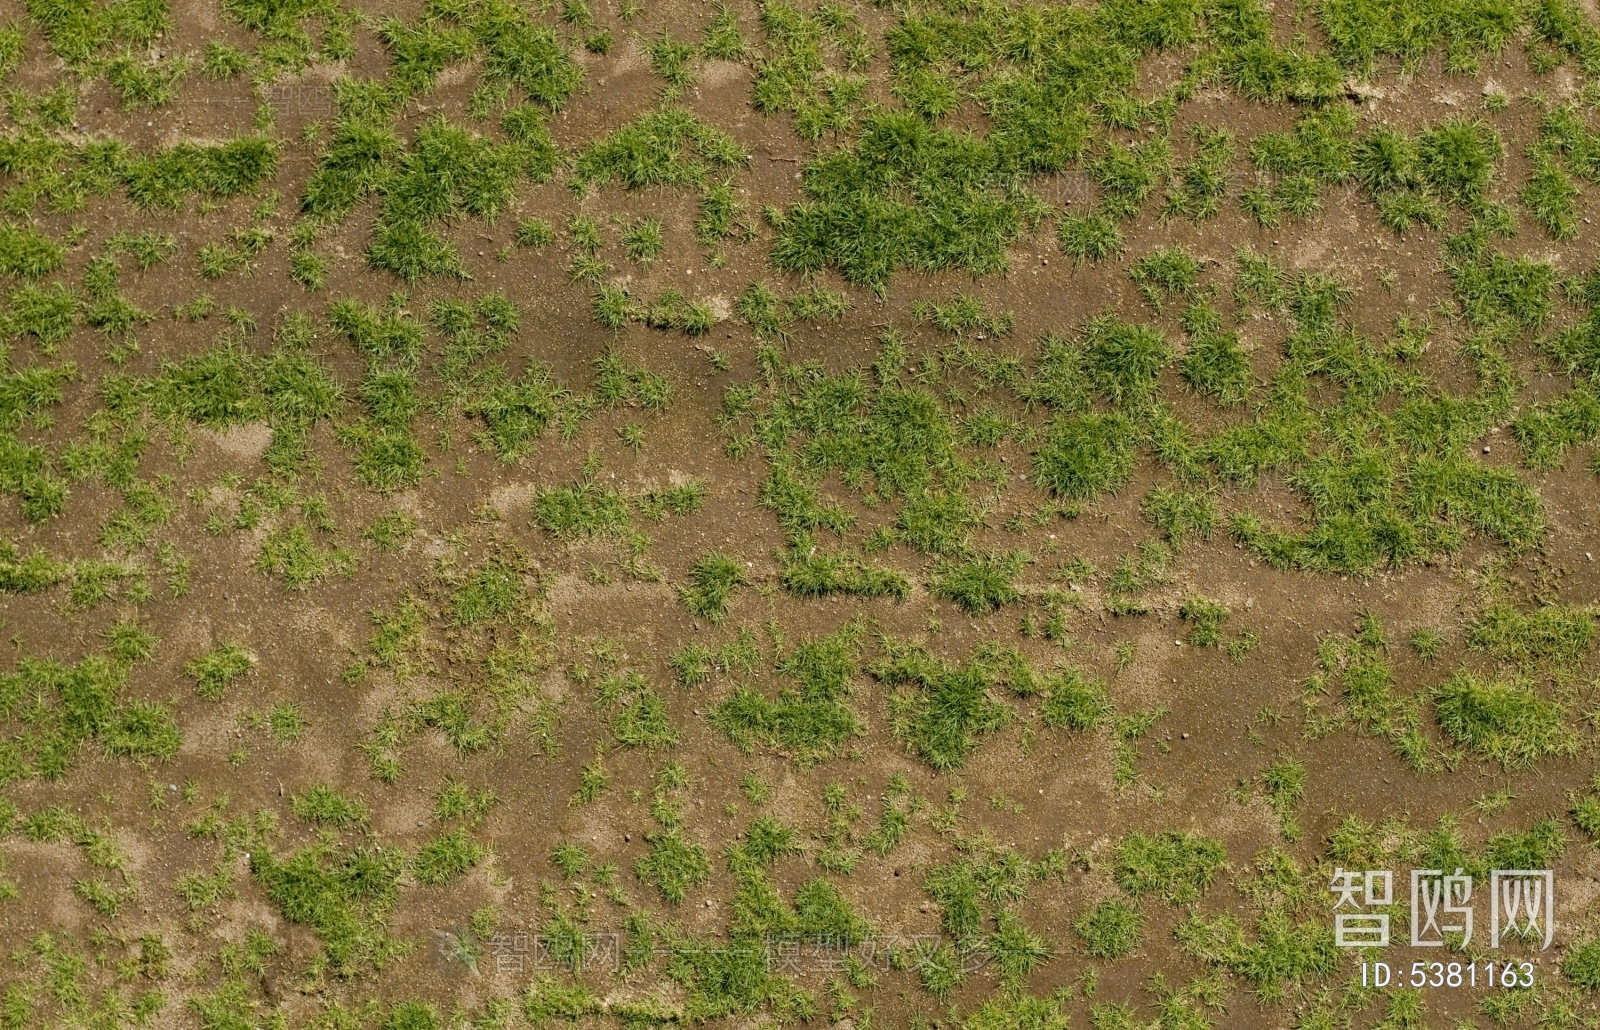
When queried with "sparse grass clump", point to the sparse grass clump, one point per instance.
{"points": [[1076, 701], [1505, 721], [1176, 866], [447, 857], [668, 147], [673, 865], [811, 572], [812, 722], [344, 895], [1216, 366], [711, 584], [390, 531], [947, 708], [1110, 930], [216, 670], [1093, 237], [979, 584], [1084, 456], [1205, 620], [1552, 634], [1180, 514], [322, 805], [639, 716], [1164, 273]]}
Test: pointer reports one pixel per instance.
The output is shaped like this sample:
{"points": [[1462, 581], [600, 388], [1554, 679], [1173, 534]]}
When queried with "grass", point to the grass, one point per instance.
{"points": [[1180, 514], [1086, 238], [1504, 721], [668, 147], [1200, 186], [1428, 643], [390, 531], [1581, 966], [47, 315], [929, 127], [534, 233], [770, 314], [218, 669], [582, 510], [1074, 700], [946, 709], [963, 313], [343, 895], [640, 713], [673, 865], [1124, 360], [1216, 366], [1552, 634], [1164, 273], [811, 722], [290, 553], [950, 218], [642, 241], [1084, 456], [1173, 865], [980, 584], [458, 800], [493, 591], [671, 59], [811, 572], [322, 805], [1205, 620], [1549, 196], [1284, 784], [446, 857], [1110, 930]]}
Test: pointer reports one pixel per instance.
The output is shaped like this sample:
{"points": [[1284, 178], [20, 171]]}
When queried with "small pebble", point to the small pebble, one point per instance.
{"points": [[1486, 450], [1185, 736]]}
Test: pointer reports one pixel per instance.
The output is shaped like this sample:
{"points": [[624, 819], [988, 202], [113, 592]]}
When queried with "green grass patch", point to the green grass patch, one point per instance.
{"points": [[1173, 865], [711, 584], [343, 895], [1505, 721], [1110, 930], [979, 584], [218, 669], [673, 865], [942, 711], [811, 722]]}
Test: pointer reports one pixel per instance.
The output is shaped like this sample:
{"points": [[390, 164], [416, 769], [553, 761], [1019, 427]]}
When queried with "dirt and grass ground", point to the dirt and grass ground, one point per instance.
{"points": [[941, 514]]}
